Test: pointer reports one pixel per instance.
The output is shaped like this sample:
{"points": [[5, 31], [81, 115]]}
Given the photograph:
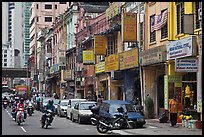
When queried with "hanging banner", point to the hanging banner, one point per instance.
{"points": [[111, 63], [129, 27], [88, 57], [100, 44], [128, 59]]}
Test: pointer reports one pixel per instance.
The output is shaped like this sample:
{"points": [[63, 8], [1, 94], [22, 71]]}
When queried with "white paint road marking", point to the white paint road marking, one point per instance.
{"points": [[152, 127], [23, 129]]}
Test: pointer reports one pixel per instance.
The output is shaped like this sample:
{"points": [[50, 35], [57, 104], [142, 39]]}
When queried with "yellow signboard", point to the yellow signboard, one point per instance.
{"points": [[129, 27], [113, 10], [100, 67], [100, 44], [129, 59], [88, 57], [111, 63]]}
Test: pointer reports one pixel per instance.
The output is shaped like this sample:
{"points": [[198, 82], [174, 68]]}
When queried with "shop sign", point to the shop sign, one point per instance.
{"points": [[166, 92], [113, 10], [174, 78], [111, 62], [100, 44], [68, 75], [52, 70], [128, 59], [153, 55], [56, 68], [100, 67], [199, 106], [129, 27], [88, 57], [182, 48], [186, 65]]}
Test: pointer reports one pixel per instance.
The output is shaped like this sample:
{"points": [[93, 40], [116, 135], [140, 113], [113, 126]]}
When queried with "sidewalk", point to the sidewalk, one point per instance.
{"points": [[153, 127]]}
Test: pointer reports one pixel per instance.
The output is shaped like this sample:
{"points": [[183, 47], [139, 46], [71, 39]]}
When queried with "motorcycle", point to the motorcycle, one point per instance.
{"points": [[95, 114], [20, 116], [10, 103], [47, 119], [120, 121], [5, 104], [30, 109]]}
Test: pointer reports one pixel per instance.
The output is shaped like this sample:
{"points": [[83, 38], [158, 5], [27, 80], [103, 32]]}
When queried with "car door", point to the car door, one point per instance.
{"points": [[75, 110], [68, 109]]}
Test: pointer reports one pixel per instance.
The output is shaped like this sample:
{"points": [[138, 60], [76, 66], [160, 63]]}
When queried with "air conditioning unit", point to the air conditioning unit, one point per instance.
{"points": [[200, 14]]}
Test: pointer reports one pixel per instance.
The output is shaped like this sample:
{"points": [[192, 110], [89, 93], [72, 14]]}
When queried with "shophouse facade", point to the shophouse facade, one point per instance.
{"points": [[184, 58]]}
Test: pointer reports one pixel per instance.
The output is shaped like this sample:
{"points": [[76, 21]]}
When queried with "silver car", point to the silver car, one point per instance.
{"points": [[81, 111], [62, 107], [71, 104]]}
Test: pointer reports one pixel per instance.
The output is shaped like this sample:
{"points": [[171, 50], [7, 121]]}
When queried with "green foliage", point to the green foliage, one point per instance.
{"points": [[149, 104]]}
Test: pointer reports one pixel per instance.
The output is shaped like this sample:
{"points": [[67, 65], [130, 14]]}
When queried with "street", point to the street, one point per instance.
{"points": [[32, 126]]}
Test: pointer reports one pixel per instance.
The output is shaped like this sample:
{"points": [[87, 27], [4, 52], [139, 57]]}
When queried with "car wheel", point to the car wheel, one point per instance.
{"points": [[72, 118]]}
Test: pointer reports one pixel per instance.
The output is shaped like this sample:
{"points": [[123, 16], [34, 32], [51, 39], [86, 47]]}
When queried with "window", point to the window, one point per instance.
{"points": [[55, 6], [5, 60], [37, 19], [48, 19], [5, 51], [152, 33], [5, 64], [48, 6], [179, 16], [37, 6], [198, 6], [5, 55], [63, 2], [164, 29], [141, 34]]}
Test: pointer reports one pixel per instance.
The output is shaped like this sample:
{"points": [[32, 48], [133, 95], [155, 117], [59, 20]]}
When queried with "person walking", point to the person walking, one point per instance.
{"points": [[173, 110]]}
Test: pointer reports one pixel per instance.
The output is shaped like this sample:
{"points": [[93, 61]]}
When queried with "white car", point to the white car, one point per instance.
{"points": [[71, 104], [81, 111], [62, 107]]}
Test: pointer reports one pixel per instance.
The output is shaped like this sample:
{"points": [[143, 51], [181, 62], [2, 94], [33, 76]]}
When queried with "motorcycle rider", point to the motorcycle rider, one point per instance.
{"points": [[5, 100], [51, 107], [21, 105]]}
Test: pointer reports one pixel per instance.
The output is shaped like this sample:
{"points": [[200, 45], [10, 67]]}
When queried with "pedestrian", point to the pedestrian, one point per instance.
{"points": [[173, 110], [99, 100]]}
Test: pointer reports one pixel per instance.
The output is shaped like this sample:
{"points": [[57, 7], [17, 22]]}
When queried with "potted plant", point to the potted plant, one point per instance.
{"points": [[149, 104]]}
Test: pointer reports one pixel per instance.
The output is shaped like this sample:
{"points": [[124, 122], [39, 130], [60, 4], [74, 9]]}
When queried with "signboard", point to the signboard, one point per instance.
{"points": [[111, 62], [100, 44], [182, 48], [186, 65], [88, 57], [100, 67], [129, 27], [68, 75], [128, 59], [153, 55], [113, 10], [166, 92], [199, 106]]}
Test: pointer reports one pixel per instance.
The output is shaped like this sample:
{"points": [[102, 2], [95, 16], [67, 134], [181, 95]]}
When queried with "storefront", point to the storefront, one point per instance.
{"points": [[183, 63], [153, 70]]}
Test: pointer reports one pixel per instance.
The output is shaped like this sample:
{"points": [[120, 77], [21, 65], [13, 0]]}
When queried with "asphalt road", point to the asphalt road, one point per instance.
{"points": [[32, 126]]}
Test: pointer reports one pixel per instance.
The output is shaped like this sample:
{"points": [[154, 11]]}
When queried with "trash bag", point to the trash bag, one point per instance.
{"points": [[163, 118]]}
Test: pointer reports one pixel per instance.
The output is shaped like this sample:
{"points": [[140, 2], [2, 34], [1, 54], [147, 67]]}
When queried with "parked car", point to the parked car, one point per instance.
{"points": [[62, 107], [109, 108], [81, 111], [71, 104]]}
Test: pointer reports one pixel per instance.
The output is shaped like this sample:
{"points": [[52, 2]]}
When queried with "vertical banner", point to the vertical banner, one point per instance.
{"points": [[100, 44], [166, 92], [129, 27], [88, 57]]}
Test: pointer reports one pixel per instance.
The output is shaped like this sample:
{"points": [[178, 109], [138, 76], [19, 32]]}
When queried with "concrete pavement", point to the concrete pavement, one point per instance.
{"points": [[153, 127]]}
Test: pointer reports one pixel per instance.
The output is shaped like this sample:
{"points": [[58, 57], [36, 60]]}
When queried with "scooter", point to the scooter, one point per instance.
{"points": [[95, 114], [5, 104], [20, 116], [30, 109], [47, 119], [120, 121]]}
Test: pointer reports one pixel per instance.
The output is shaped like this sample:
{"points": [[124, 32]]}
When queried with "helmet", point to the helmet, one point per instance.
{"points": [[21, 100], [50, 101]]}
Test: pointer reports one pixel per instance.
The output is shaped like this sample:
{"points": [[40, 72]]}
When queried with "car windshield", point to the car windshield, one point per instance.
{"points": [[56, 101], [63, 104], [126, 107], [85, 106]]}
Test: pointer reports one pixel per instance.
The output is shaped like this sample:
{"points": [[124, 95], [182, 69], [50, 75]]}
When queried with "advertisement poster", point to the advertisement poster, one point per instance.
{"points": [[88, 57], [100, 44], [111, 62]]}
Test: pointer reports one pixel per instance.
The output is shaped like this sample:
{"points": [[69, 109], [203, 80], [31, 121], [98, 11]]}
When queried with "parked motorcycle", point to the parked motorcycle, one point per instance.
{"points": [[121, 120], [20, 116], [5, 104], [30, 109], [95, 114], [47, 119]]}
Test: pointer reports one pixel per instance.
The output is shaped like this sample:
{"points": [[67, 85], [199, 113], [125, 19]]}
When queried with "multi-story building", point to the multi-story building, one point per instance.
{"points": [[43, 14], [26, 29]]}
